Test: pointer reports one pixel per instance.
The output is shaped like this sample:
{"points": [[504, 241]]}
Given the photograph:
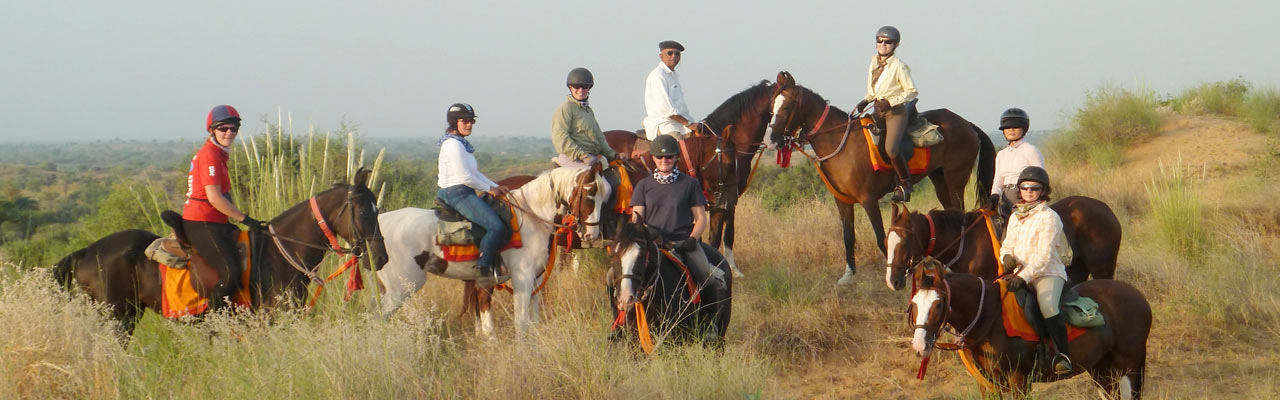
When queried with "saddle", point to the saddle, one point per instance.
{"points": [[186, 278], [1022, 317], [455, 229], [921, 132]]}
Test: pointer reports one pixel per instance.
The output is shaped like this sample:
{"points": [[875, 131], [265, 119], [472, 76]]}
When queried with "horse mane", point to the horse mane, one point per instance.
{"points": [[738, 104], [943, 218], [305, 206], [808, 95], [538, 190]]}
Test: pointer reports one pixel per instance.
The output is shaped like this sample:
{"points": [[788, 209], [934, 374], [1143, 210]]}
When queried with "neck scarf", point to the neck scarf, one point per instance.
{"points": [[1023, 209], [582, 103], [666, 179], [451, 135]]}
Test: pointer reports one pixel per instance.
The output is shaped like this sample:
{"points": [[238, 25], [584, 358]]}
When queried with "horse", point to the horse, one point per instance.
{"points": [[963, 241], [1114, 354], [562, 192], [844, 163], [115, 270], [741, 120], [670, 298]]}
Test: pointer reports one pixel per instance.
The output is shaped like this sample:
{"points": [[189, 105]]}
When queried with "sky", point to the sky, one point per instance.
{"points": [[93, 70]]}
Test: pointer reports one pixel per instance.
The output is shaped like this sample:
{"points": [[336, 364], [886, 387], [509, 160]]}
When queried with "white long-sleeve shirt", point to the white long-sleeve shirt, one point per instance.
{"points": [[458, 167], [1010, 162], [663, 97], [1038, 243], [894, 84]]}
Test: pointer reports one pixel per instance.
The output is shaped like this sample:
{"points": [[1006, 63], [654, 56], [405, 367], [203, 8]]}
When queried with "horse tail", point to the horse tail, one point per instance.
{"points": [[470, 299], [986, 163], [64, 270]]}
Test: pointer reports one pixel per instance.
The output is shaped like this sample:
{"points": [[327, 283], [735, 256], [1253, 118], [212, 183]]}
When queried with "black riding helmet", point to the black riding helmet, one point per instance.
{"points": [[665, 145], [1036, 174], [580, 76], [1015, 118], [458, 111]]}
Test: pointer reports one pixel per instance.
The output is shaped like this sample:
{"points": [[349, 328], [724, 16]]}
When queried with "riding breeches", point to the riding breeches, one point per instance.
{"points": [[215, 242], [1048, 292], [703, 272], [895, 128]]}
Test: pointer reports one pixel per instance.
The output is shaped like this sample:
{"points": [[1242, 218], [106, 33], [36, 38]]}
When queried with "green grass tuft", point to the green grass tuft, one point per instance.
{"points": [[1261, 109], [1222, 98], [1110, 119], [1177, 212]]}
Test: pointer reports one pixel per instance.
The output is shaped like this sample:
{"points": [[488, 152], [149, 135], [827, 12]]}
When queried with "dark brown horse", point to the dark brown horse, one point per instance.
{"points": [[115, 271], [1115, 354], [742, 119], [845, 163], [962, 241]]}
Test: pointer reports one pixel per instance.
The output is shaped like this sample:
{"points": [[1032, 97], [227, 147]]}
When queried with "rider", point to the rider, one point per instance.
{"points": [[1012, 160], [665, 109], [208, 208], [890, 88], [574, 130], [673, 204], [1036, 244], [459, 179]]}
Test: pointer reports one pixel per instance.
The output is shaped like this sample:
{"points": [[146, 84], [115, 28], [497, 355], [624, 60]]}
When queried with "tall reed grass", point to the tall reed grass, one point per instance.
{"points": [[1177, 212]]}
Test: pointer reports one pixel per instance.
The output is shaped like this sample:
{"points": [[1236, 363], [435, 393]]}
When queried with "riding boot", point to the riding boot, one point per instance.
{"points": [[1057, 325], [903, 193], [490, 276]]}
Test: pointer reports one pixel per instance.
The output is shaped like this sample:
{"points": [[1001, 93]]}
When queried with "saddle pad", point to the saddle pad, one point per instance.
{"points": [[623, 191], [471, 252], [1016, 323], [179, 299], [918, 163]]}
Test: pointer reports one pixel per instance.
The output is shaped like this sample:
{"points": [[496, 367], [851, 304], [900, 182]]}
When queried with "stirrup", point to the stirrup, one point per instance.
{"points": [[1062, 364], [901, 194]]}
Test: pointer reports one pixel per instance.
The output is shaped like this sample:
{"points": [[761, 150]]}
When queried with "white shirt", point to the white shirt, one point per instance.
{"points": [[1038, 244], [663, 97], [1010, 162], [458, 167]]}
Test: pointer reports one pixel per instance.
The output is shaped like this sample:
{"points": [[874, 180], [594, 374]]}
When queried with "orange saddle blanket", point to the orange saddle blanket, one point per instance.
{"points": [[471, 252], [179, 299], [1015, 321], [918, 163]]}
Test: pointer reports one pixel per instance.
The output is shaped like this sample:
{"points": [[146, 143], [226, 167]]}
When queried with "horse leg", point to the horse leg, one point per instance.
{"points": [[484, 325], [400, 281], [522, 299], [850, 239], [722, 229]]}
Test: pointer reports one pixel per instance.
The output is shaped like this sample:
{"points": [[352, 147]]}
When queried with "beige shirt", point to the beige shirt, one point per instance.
{"points": [[894, 83], [1010, 162], [1038, 244]]}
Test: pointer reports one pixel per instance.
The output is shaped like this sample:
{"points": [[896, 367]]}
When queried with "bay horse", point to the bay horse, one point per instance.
{"points": [[561, 192], [115, 271], [1114, 354], [741, 119], [963, 242], [673, 302], [843, 160]]}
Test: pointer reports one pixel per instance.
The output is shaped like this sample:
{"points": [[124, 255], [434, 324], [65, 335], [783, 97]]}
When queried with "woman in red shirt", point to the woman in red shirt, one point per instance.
{"points": [[208, 210]]}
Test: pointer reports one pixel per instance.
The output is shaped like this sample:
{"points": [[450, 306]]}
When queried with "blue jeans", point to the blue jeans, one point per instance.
{"points": [[476, 210]]}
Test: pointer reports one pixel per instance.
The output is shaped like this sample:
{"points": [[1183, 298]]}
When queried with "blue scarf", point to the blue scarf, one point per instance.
{"points": [[451, 135]]}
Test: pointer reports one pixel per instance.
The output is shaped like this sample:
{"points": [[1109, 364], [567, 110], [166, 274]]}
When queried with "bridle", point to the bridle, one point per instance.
{"points": [[719, 158], [933, 238], [939, 274], [358, 251]]}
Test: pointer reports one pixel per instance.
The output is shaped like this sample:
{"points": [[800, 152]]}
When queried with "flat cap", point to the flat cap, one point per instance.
{"points": [[670, 44]]}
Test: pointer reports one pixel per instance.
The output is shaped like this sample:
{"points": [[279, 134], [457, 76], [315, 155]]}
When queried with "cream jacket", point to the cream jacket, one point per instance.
{"points": [[895, 83], [1038, 243]]}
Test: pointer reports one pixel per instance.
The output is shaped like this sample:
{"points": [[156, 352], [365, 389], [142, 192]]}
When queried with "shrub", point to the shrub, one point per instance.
{"points": [[1177, 212], [782, 187], [1110, 119], [1222, 97], [1261, 109]]}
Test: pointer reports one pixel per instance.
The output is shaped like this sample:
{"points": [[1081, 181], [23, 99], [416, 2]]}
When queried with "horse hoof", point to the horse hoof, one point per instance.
{"points": [[737, 274], [847, 279]]}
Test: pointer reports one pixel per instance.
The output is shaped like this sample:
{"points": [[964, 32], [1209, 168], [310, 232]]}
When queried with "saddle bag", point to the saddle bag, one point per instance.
{"points": [[453, 229], [162, 251]]}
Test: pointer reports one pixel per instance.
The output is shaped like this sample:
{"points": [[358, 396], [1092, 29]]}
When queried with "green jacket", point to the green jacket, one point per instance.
{"points": [[575, 132]]}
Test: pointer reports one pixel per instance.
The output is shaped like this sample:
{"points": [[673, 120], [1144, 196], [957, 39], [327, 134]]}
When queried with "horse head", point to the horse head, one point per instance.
{"points": [[357, 219], [584, 199], [637, 254], [712, 160], [788, 116], [902, 246], [930, 305]]}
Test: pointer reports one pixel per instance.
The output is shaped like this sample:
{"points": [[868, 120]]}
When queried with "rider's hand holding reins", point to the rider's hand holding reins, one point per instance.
{"points": [[861, 105], [499, 191], [253, 224]]}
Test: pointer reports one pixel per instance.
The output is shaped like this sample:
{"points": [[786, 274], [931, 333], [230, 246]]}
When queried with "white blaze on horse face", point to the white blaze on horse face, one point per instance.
{"points": [[891, 243], [626, 287], [923, 300], [768, 130]]}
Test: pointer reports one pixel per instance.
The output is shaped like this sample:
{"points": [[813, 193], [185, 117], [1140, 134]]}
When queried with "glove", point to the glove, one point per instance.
{"points": [[1015, 283], [994, 201], [687, 245], [882, 105], [861, 105], [253, 224]]}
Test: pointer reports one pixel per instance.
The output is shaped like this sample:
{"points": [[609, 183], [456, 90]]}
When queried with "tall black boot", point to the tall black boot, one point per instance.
{"points": [[1057, 325], [903, 193]]}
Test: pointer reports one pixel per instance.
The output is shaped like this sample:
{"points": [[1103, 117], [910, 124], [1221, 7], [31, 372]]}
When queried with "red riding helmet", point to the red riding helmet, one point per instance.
{"points": [[219, 115]]}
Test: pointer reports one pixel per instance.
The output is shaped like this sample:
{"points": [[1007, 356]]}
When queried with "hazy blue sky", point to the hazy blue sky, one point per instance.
{"points": [[131, 69]]}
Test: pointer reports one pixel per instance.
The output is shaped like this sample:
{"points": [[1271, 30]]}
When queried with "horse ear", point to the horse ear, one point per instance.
{"points": [[784, 81], [362, 177]]}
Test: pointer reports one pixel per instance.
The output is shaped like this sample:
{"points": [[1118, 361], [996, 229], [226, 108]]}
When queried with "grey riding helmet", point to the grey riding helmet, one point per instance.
{"points": [[581, 77], [889, 32], [1015, 118]]}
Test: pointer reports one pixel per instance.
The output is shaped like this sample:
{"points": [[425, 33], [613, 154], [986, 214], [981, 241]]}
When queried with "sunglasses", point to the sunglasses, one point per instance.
{"points": [[673, 53], [1033, 188], [580, 87], [664, 157], [466, 120], [884, 41], [228, 128]]}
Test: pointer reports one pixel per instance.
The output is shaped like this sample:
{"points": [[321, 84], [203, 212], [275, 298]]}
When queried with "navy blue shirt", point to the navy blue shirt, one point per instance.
{"points": [[669, 208]]}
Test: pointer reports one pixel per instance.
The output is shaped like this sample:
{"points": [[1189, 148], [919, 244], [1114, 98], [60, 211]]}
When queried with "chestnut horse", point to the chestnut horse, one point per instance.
{"points": [[115, 271], [741, 119], [844, 163], [1114, 354], [961, 240]]}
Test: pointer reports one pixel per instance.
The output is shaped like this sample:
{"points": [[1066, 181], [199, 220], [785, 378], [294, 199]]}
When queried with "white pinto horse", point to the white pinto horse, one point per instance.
{"points": [[410, 233]]}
